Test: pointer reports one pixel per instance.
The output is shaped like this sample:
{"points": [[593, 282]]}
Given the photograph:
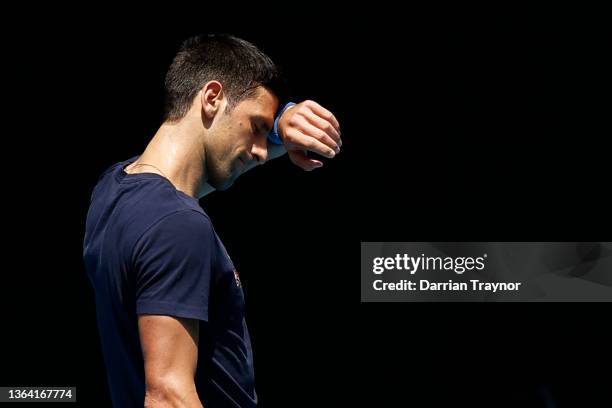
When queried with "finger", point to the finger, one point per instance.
{"points": [[301, 160], [324, 113], [295, 139], [313, 131], [325, 126]]}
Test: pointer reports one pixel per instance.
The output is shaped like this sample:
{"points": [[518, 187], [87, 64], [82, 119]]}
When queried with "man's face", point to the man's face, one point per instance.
{"points": [[239, 138]]}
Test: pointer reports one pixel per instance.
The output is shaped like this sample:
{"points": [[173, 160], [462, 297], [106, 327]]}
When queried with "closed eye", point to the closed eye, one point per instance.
{"points": [[256, 129], [265, 128], [260, 124]]}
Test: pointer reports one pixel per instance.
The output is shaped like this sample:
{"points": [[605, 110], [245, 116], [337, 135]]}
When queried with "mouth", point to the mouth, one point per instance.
{"points": [[241, 164]]}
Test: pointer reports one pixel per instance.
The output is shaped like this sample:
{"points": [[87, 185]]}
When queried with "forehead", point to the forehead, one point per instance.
{"points": [[262, 102]]}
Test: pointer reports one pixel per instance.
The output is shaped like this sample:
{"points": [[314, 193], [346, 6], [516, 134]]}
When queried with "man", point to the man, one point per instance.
{"points": [[169, 303]]}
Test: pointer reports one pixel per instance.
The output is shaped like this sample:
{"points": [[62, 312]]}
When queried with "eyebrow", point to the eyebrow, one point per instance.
{"points": [[263, 119]]}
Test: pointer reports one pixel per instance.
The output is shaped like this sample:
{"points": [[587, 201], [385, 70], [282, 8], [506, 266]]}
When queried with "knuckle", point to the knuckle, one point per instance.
{"points": [[311, 144], [293, 121], [317, 134], [300, 126], [291, 135]]}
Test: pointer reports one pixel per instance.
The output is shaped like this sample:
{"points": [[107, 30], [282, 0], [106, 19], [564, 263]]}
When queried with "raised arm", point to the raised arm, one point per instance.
{"points": [[170, 352]]}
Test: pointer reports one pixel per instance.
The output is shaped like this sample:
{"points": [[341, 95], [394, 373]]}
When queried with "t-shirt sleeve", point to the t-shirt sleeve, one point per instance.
{"points": [[173, 266]]}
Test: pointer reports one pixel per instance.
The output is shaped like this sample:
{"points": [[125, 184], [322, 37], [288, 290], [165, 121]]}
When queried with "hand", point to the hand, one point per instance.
{"points": [[306, 127]]}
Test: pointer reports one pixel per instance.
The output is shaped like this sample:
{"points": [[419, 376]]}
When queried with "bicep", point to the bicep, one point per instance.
{"points": [[170, 348]]}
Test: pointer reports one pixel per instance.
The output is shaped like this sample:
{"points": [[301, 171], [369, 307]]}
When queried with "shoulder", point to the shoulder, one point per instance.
{"points": [[154, 206], [179, 243], [185, 226], [184, 222]]}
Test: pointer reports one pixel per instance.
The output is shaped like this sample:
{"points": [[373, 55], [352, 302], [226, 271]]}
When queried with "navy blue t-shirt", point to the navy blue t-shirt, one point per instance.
{"points": [[151, 249]]}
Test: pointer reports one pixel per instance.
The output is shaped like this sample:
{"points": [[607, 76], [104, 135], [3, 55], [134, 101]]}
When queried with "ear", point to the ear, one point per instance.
{"points": [[212, 98]]}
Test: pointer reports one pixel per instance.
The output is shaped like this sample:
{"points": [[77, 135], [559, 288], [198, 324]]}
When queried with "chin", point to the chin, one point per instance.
{"points": [[223, 186], [222, 183]]}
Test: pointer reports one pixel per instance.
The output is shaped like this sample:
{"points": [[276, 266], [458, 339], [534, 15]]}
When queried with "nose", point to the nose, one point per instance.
{"points": [[260, 150]]}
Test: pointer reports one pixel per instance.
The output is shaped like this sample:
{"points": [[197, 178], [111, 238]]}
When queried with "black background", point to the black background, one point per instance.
{"points": [[479, 125]]}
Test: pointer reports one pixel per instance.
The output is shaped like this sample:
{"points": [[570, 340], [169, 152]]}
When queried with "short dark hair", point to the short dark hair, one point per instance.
{"points": [[236, 63]]}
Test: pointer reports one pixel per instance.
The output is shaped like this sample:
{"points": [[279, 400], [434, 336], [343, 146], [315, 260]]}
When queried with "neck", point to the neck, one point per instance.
{"points": [[178, 150]]}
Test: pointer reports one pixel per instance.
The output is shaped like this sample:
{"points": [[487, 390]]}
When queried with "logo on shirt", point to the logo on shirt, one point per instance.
{"points": [[237, 277]]}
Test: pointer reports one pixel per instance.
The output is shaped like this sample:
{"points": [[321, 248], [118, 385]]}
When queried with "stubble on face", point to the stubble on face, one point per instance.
{"points": [[228, 151]]}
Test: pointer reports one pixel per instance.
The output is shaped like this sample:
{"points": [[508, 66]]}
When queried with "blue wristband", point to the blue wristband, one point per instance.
{"points": [[273, 136]]}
